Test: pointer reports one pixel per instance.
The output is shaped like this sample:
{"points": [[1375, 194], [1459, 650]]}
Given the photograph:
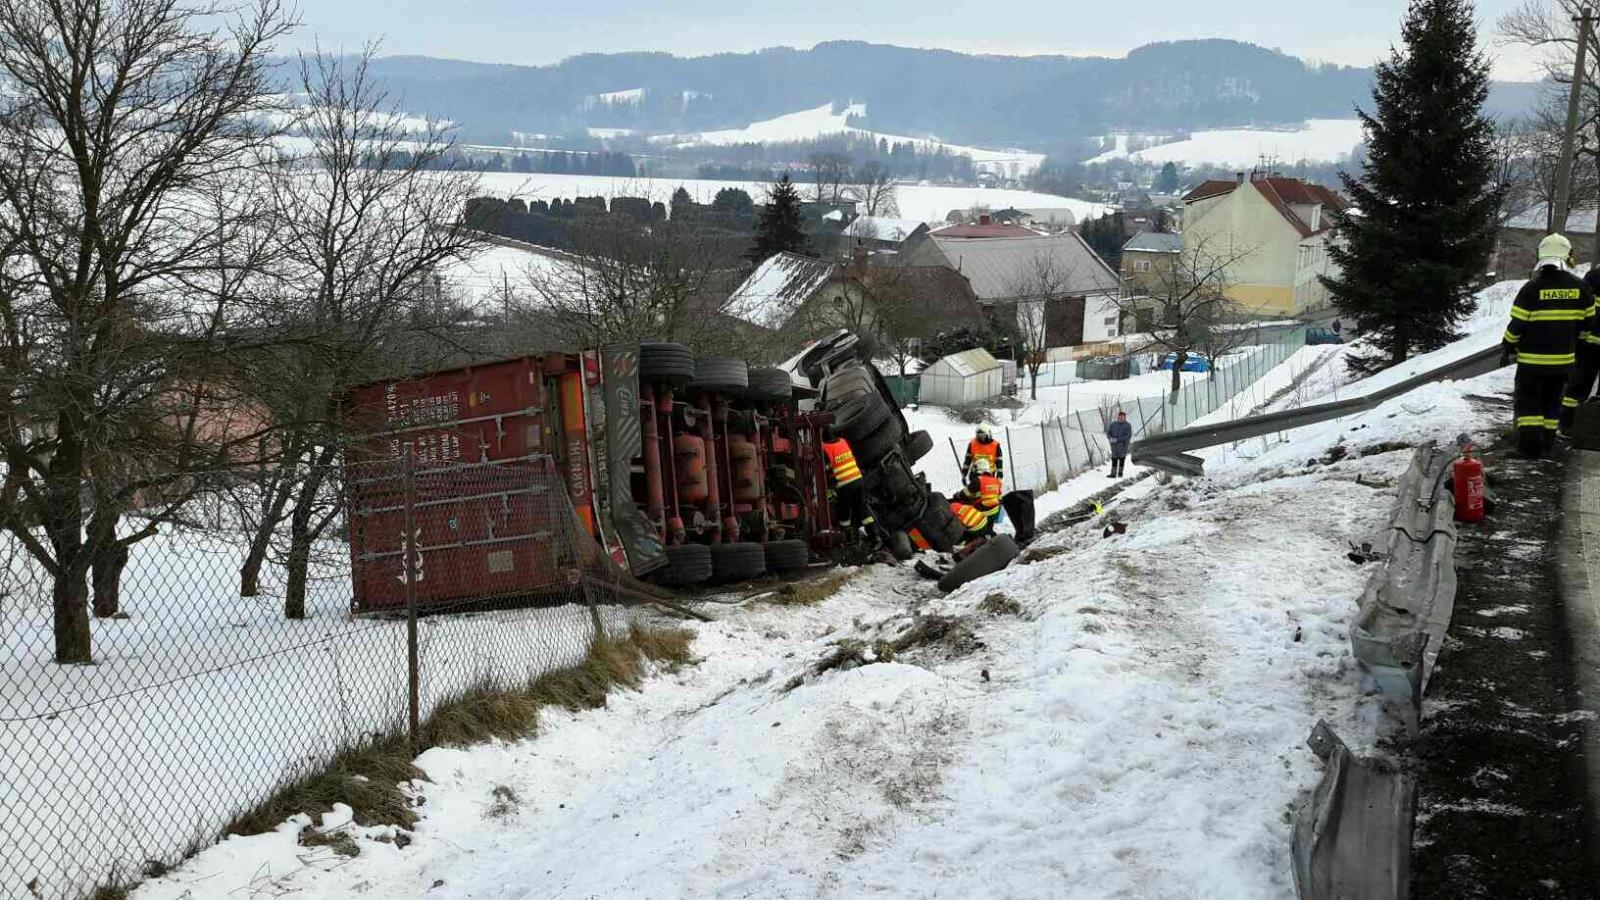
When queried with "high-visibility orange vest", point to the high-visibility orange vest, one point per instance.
{"points": [[918, 541], [842, 462], [989, 451], [970, 517], [989, 495]]}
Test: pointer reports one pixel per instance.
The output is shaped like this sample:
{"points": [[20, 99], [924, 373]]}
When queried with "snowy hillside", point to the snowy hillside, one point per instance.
{"points": [[1321, 140], [822, 120]]}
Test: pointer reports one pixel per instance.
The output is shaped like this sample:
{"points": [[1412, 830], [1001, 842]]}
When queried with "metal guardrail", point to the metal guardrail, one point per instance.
{"points": [[1352, 839], [1168, 451], [1406, 605]]}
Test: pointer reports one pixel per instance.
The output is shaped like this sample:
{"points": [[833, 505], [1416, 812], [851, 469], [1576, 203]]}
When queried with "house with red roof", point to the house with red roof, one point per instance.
{"points": [[1272, 232]]}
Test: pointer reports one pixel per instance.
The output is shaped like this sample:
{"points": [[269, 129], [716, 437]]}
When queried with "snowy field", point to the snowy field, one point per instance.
{"points": [[1134, 728], [1321, 140], [821, 121], [202, 703], [922, 202]]}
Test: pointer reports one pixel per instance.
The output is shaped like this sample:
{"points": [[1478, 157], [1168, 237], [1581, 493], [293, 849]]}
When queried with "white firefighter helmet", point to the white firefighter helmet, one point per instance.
{"points": [[983, 465], [983, 431]]}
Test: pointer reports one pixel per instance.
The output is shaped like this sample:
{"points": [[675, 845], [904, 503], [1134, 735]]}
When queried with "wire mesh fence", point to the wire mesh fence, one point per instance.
{"points": [[385, 590], [1041, 456]]}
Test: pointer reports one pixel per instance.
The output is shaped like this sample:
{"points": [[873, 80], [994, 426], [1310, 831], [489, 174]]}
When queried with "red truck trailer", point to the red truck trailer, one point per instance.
{"points": [[511, 479]]}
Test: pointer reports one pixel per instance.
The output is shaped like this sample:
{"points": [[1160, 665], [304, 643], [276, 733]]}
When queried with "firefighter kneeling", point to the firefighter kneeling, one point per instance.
{"points": [[844, 475], [983, 491]]}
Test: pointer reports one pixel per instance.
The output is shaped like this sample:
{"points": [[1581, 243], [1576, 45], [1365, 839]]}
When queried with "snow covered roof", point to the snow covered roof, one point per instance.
{"points": [[1155, 242], [999, 267], [778, 288], [881, 228], [966, 363], [1579, 221]]}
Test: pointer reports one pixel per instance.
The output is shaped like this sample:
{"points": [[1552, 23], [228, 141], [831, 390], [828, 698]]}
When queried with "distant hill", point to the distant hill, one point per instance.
{"points": [[963, 98]]}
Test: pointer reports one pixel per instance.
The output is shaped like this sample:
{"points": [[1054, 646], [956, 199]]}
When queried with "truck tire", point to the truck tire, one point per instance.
{"points": [[988, 559], [874, 447], [721, 374], [899, 545], [686, 564], [939, 526], [787, 556], [859, 417], [918, 445], [771, 384], [738, 562], [661, 361]]}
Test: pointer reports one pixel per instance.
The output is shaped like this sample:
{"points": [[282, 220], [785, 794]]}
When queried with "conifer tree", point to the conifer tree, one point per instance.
{"points": [[780, 227], [1426, 200]]}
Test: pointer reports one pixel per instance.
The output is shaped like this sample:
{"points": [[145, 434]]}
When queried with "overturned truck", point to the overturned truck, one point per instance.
{"points": [[515, 478]]}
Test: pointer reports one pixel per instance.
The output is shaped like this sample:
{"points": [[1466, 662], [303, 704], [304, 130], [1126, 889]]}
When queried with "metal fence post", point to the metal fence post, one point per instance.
{"points": [[413, 666], [1061, 426]]}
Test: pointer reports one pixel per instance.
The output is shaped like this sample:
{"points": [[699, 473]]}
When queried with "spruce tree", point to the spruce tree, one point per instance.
{"points": [[1167, 181], [1426, 196], [780, 227]]}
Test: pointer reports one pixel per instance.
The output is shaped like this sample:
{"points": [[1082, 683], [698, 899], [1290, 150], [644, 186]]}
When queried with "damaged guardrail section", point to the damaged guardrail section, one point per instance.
{"points": [[1406, 605], [1352, 839]]}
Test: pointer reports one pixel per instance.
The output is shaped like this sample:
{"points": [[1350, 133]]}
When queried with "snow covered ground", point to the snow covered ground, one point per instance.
{"points": [[922, 202], [808, 124], [1134, 729], [1320, 140], [1125, 717]]}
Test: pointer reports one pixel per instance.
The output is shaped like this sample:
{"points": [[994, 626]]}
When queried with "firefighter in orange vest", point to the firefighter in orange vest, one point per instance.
{"points": [[844, 477], [983, 489], [984, 446]]}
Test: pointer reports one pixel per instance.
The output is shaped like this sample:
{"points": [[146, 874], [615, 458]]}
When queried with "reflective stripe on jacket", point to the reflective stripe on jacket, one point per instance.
{"points": [[1553, 313], [842, 462], [970, 517], [989, 495]]}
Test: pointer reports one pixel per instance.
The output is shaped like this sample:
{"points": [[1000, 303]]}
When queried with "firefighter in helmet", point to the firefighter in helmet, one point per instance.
{"points": [[844, 481], [1549, 319], [982, 489], [984, 446]]}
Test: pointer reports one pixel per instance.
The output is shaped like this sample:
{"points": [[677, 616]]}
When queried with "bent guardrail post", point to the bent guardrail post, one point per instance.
{"points": [[1157, 449], [1352, 839], [1405, 607]]}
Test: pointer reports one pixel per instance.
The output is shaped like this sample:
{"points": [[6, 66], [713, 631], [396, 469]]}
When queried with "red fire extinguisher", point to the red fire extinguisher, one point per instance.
{"points": [[1467, 476]]}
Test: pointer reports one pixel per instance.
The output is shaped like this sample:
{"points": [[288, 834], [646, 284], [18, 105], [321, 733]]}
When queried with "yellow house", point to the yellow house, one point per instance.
{"points": [[1272, 233]]}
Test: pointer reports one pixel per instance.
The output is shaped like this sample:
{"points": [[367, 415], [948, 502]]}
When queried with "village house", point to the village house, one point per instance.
{"points": [[1016, 273], [1148, 261], [1277, 228]]}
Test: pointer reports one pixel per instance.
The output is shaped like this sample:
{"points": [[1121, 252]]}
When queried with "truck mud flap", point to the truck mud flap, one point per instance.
{"points": [[986, 560], [624, 442]]}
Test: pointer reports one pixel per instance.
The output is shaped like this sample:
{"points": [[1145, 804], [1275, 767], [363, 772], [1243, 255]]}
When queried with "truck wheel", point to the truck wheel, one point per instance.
{"points": [[686, 564], [939, 526], [787, 556], [918, 445], [991, 557], [859, 417], [899, 545], [771, 384], [665, 362], [722, 374], [737, 562]]}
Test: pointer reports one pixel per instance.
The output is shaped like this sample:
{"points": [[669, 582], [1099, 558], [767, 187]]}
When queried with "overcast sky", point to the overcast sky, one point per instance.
{"points": [[536, 32]]}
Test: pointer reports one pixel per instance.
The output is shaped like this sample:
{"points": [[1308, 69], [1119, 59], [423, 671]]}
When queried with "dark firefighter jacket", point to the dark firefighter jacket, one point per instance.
{"points": [[1552, 313]]}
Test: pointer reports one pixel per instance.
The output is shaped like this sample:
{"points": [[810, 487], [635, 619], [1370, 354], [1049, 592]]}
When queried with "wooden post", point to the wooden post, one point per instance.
{"points": [[1558, 212], [409, 544]]}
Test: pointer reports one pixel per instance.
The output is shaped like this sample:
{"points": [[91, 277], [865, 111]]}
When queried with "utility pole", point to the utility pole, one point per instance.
{"points": [[1558, 214]]}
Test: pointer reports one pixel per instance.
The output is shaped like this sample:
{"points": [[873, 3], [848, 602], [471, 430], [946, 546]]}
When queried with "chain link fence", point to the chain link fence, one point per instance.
{"points": [[385, 591], [1040, 457]]}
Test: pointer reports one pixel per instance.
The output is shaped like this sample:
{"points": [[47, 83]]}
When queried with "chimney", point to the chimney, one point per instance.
{"points": [[983, 219], [1239, 177]]}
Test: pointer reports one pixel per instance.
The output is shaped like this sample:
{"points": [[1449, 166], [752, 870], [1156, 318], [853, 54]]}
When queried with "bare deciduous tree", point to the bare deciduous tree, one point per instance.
{"points": [[362, 224], [830, 174], [119, 120], [1043, 281], [1187, 299], [873, 188]]}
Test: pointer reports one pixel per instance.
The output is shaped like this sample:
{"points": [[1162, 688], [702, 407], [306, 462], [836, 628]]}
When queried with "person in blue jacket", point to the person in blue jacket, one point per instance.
{"points": [[1119, 434]]}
